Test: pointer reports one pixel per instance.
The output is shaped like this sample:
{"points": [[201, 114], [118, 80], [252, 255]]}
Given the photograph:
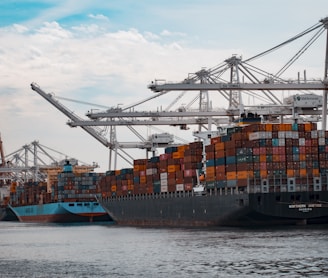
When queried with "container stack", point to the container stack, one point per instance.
{"points": [[78, 187], [257, 155], [69, 187], [29, 194], [266, 152], [173, 171]]}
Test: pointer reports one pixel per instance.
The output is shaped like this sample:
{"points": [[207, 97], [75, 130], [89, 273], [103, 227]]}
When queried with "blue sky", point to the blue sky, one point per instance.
{"points": [[107, 52]]}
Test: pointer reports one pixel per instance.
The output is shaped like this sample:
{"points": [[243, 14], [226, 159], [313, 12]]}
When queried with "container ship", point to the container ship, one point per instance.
{"points": [[256, 174], [71, 197]]}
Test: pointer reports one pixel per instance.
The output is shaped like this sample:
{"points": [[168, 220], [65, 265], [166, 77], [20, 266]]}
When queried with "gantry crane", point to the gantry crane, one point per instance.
{"points": [[229, 82], [150, 144], [36, 162]]}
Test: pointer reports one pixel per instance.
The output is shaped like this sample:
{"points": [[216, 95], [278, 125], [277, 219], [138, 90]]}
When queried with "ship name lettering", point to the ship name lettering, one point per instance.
{"points": [[297, 206], [315, 205], [305, 209]]}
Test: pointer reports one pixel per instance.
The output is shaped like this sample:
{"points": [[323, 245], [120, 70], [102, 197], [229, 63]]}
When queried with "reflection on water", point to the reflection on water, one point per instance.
{"points": [[32, 250]]}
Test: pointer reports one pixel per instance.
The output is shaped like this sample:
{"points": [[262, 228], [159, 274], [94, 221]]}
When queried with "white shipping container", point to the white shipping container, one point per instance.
{"points": [[164, 188], [281, 142], [163, 176], [179, 187], [301, 141], [268, 134], [254, 136], [289, 134], [281, 134], [295, 134], [164, 182], [321, 133], [322, 141], [314, 134], [151, 171]]}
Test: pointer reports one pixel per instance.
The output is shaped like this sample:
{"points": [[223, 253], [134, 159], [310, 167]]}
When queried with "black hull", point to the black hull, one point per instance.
{"points": [[185, 210]]}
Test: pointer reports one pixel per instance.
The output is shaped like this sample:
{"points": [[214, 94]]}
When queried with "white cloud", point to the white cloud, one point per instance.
{"points": [[98, 16], [169, 34], [92, 63]]}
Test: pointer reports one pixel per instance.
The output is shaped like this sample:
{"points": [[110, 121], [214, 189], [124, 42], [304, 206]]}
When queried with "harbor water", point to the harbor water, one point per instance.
{"points": [[105, 250]]}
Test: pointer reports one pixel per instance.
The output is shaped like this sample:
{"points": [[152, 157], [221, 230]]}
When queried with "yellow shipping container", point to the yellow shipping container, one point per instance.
{"points": [[113, 188], [268, 127]]}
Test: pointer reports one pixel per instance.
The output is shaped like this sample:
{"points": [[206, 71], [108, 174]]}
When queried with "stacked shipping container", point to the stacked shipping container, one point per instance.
{"points": [[258, 155], [69, 187], [174, 170], [267, 153]]}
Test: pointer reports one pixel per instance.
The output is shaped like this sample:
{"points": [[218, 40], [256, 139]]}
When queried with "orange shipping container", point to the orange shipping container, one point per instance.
{"points": [[263, 173], [210, 170], [307, 127], [219, 146], [303, 172], [262, 158], [242, 175], [183, 148], [178, 154], [143, 179], [250, 174], [173, 168], [315, 172], [231, 175], [210, 176], [290, 173]]}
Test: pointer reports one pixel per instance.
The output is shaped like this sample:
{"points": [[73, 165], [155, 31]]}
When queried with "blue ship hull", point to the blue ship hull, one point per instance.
{"points": [[61, 212]]}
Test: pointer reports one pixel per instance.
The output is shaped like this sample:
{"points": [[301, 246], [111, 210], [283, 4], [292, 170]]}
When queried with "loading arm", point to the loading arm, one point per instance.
{"points": [[73, 117]]}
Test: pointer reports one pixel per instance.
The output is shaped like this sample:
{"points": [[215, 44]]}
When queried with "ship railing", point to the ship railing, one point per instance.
{"points": [[284, 183]]}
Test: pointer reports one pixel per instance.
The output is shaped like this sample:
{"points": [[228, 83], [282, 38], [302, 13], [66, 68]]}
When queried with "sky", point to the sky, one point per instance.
{"points": [[107, 52]]}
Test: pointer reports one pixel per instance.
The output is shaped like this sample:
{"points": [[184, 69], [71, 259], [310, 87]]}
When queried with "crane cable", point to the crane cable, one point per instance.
{"points": [[286, 42], [300, 52]]}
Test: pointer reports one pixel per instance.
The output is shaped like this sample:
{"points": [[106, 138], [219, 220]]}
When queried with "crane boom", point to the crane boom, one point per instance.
{"points": [[73, 117], [236, 86]]}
